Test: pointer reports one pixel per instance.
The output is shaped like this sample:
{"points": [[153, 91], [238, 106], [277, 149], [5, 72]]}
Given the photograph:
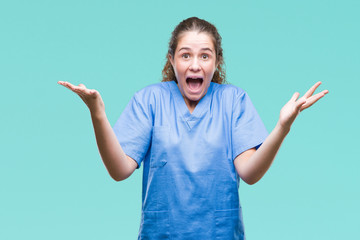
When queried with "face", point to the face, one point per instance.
{"points": [[194, 64]]}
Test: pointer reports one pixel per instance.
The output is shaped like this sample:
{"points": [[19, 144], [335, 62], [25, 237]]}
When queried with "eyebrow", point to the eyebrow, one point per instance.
{"points": [[202, 49]]}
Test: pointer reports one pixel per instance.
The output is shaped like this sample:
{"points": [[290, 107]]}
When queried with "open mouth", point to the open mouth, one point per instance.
{"points": [[194, 83]]}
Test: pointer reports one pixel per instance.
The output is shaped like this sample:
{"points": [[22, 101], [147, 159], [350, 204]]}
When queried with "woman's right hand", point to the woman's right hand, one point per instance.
{"points": [[119, 165], [91, 97]]}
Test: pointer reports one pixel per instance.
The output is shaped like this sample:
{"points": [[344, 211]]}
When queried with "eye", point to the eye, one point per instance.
{"points": [[185, 55], [205, 56]]}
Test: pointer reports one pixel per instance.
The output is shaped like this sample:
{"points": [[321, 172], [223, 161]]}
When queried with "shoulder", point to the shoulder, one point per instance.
{"points": [[153, 96], [156, 88], [230, 97], [228, 91], [153, 91]]}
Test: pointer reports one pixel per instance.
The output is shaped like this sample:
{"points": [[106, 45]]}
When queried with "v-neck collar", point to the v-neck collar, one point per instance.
{"points": [[190, 118]]}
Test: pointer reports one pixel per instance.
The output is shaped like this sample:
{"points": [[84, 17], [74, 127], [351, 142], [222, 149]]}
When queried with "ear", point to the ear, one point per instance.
{"points": [[217, 62], [171, 59]]}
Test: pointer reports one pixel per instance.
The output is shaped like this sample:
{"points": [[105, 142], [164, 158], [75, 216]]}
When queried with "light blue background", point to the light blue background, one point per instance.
{"points": [[53, 184]]}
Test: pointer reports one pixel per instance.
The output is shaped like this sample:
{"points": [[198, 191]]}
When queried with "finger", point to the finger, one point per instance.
{"points": [[312, 90], [67, 85], [313, 99], [294, 97], [62, 83], [77, 89], [80, 90], [93, 92], [299, 103]]}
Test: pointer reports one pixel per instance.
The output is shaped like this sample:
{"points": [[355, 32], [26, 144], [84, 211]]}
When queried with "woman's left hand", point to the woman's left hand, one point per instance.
{"points": [[292, 108]]}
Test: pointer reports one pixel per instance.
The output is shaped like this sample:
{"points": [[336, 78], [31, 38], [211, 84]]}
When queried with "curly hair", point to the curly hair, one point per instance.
{"points": [[200, 25]]}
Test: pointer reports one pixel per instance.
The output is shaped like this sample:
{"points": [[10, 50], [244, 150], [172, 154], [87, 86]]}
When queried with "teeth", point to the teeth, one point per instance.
{"points": [[187, 79]]}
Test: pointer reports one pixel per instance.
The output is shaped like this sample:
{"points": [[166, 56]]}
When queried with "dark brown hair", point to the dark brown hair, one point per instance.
{"points": [[200, 25]]}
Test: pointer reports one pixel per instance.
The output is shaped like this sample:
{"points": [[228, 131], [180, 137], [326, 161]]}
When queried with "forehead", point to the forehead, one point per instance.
{"points": [[195, 39]]}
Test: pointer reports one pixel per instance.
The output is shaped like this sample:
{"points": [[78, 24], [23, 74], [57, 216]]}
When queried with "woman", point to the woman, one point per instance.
{"points": [[196, 138]]}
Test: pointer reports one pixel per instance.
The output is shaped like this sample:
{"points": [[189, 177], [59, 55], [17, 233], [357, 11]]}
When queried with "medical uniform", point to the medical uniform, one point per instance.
{"points": [[190, 184]]}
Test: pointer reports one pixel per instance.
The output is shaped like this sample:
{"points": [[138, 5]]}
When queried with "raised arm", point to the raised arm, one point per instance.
{"points": [[119, 165], [252, 164]]}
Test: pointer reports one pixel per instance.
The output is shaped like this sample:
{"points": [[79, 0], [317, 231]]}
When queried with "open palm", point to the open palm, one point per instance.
{"points": [[91, 97], [295, 105]]}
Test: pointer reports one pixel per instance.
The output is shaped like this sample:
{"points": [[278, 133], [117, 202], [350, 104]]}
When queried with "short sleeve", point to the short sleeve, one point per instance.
{"points": [[248, 131], [134, 128]]}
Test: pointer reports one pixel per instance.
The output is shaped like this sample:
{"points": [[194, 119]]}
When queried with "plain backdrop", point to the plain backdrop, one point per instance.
{"points": [[53, 184]]}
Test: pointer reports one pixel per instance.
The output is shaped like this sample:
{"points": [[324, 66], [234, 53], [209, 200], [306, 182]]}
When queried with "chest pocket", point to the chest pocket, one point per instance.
{"points": [[159, 142]]}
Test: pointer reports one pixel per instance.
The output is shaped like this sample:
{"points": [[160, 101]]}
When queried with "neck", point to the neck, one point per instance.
{"points": [[191, 105]]}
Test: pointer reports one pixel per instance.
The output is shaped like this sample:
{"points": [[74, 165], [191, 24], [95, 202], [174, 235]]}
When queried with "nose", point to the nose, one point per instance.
{"points": [[194, 65]]}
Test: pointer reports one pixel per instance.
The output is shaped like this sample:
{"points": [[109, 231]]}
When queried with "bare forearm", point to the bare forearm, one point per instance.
{"points": [[251, 165], [254, 168], [118, 164]]}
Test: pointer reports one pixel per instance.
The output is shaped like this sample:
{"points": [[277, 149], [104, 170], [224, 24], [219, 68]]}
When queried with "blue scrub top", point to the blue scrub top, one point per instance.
{"points": [[190, 184]]}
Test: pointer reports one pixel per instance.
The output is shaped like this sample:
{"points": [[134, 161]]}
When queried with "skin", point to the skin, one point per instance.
{"points": [[119, 165], [252, 164], [194, 56]]}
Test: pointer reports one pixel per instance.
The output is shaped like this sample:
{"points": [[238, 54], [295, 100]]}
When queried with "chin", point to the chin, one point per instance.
{"points": [[195, 97]]}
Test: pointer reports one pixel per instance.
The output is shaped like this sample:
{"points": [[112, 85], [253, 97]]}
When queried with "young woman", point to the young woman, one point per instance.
{"points": [[196, 138]]}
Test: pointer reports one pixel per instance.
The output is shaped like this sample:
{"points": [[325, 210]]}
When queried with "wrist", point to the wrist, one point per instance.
{"points": [[283, 130], [97, 114]]}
